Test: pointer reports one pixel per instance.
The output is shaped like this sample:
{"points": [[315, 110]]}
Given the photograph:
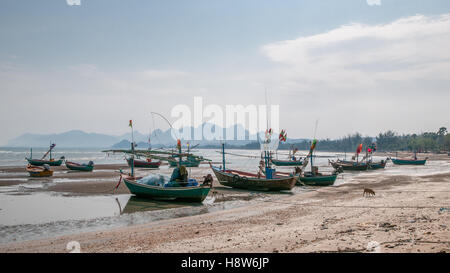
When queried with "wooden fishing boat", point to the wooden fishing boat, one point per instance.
{"points": [[311, 179], [187, 194], [377, 165], [249, 181], [35, 171], [143, 163], [292, 160], [80, 167], [349, 165], [41, 162], [278, 162], [189, 162], [401, 161]]}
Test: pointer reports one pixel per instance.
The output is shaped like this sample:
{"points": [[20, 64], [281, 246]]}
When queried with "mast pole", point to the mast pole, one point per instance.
{"points": [[132, 149], [223, 156]]}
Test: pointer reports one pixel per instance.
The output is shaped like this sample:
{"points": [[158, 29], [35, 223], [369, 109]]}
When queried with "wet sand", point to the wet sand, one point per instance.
{"points": [[409, 213]]}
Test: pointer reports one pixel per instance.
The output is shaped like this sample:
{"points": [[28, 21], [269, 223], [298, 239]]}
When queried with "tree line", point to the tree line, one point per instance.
{"points": [[388, 141]]}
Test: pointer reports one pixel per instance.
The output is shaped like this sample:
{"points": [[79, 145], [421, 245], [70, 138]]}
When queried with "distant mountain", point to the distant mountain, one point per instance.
{"points": [[74, 138], [159, 138]]}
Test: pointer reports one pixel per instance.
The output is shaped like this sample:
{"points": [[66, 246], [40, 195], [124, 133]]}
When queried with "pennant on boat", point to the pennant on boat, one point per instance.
{"points": [[313, 146], [283, 136], [359, 149]]}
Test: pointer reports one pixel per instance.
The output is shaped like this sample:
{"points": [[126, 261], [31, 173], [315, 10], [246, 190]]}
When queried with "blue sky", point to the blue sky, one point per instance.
{"points": [[106, 61]]}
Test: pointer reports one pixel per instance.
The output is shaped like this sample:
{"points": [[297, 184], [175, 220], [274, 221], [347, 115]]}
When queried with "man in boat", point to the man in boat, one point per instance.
{"points": [[180, 175]]}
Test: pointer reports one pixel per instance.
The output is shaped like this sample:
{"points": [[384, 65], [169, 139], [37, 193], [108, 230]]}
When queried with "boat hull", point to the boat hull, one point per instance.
{"points": [[323, 180], [250, 183], [186, 194], [277, 162], [408, 162], [144, 164], [189, 163], [39, 162], [39, 172], [350, 166], [79, 167], [380, 165]]}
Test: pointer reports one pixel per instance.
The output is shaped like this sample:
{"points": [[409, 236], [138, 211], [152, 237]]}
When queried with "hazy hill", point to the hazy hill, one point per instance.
{"points": [[80, 139]]}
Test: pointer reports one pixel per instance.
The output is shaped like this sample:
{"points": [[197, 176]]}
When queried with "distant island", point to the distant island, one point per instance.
{"points": [[438, 141]]}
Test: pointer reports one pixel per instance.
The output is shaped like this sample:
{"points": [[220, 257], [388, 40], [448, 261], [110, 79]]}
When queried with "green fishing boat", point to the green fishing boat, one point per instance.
{"points": [[178, 187], [39, 162], [191, 161], [310, 179], [288, 163], [314, 178], [42, 161], [398, 161], [80, 167], [188, 194]]}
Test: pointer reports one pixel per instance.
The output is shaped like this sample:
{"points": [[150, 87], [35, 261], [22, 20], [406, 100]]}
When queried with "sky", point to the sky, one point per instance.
{"points": [[364, 66]]}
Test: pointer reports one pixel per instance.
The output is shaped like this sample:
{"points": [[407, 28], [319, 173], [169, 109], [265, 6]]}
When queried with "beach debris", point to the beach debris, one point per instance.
{"points": [[441, 210], [387, 226], [373, 247]]}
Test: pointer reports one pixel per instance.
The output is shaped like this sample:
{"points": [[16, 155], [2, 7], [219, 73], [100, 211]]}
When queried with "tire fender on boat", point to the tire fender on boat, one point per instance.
{"points": [[235, 178]]}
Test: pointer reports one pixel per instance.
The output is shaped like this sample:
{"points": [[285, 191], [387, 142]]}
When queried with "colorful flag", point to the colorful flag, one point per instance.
{"points": [[359, 149], [313, 146], [268, 135], [179, 144], [131, 123], [283, 136]]}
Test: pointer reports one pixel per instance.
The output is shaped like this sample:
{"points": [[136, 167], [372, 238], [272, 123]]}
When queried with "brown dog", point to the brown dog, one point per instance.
{"points": [[368, 192], [208, 180]]}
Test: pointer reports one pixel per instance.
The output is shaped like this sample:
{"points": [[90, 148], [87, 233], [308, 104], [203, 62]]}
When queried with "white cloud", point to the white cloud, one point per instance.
{"points": [[374, 2], [407, 49]]}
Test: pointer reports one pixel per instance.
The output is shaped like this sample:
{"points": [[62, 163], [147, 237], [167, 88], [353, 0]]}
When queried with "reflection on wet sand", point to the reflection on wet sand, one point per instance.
{"points": [[137, 204]]}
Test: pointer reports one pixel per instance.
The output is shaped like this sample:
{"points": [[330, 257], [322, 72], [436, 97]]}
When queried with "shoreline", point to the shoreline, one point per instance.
{"points": [[409, 213]]}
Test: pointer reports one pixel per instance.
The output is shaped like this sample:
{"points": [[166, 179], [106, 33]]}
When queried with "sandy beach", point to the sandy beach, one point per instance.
{"points": [[409, 213]]}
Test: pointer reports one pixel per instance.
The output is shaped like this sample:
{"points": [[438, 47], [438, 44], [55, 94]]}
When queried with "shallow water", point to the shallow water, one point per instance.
{"points": [[22, 219], [29, 214]]}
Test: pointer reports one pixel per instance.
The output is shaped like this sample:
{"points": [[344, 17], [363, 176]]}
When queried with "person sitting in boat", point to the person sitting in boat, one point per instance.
{"points": [[316, 170], [180, 175]]}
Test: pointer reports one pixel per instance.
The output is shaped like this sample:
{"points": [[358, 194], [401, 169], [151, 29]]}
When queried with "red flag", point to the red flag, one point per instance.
{"points": [[359, 149]]}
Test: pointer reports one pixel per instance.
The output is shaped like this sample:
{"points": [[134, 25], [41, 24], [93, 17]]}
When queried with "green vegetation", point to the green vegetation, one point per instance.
{"points": [[388, 141]]}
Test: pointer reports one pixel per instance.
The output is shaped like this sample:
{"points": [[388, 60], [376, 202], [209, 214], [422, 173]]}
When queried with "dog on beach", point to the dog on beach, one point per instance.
{"points": [[368, 192], [208, 180]]}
